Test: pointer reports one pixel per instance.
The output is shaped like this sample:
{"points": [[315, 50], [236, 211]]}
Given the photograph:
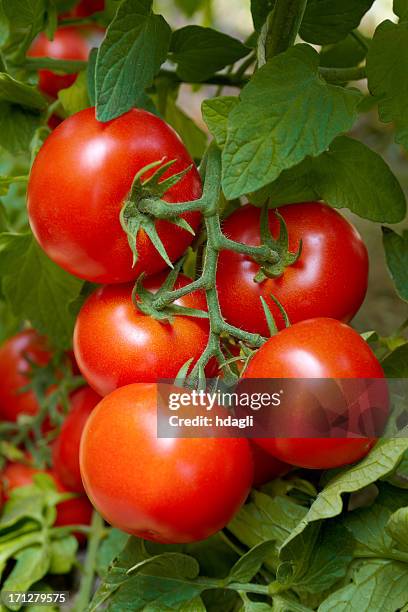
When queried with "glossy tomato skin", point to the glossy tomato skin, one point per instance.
{"points": [[65, 450], [318, 349], [329, 279], [68, 44], [75, 511], [78, 184], [266, 467], [16, 356], [115, 344], [166, 490]]}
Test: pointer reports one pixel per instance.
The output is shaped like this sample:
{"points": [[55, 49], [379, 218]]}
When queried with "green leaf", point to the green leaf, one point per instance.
{"points": [[397, 527], [194, 139], [19, 93], [200, 52], [387, 67], [377, 585], [31, 565], [346, 53], [75, 98], [17, 127], [36, 288], [91, 75], [251, 562], [189, 7], [110, 548], [260, 9], [328, 21], [135, 46], [63, 555], [395, 365], [400, 8], [286, 113], [372, 193], [26, 18], [215, 114], [380, 462], [396, 253]]}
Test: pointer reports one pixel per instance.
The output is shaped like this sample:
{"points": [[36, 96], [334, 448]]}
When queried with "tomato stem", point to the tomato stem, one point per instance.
{"points": [[280, 29], [85, 591]]}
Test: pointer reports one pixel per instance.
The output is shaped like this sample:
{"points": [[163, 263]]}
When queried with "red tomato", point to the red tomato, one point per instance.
{"points": [[115, 344], [163, 489], [328, 280], [16, 355], [75, 511], [266, 467], [318, 349], [88, 7], [65, 450], [68, 44], [79, 181]]}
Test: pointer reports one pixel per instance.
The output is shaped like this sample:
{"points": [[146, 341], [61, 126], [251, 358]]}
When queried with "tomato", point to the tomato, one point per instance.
{"points": [[328, 280], [68, 44], [79, 181], [75, 511], [266, 467], [115, 344], [319, 349], [169, 490], [88, 7], [16, 356], [65, 450]]}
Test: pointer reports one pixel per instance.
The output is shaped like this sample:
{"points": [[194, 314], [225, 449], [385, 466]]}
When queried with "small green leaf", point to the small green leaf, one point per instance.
{"points": [[286, 113], [31, 565], [328, 21], [200, 52], [396, 253], [397, 527], [215, 114], [17, 127], [75, 98], [387, 67], [16, 92], [36, 288], [251, 562], [63, 555], [135, 46], [110, 548]]}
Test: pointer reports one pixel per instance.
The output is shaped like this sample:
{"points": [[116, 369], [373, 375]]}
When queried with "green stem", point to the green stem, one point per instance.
{"points": [[85, 592], [360, 39], [343, 75], [392, 555], [48, 63], [209, 583], [282, 26]]}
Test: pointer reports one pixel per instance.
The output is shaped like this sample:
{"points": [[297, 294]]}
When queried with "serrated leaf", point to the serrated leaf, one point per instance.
{"points": [[387, 67], [215, 114], [16, 92], [286, 113], [36, 288], [396, 254], [397, 527], [328, 21], [377, 585], [200, 52], [17, 127], [377, 464], [251, 562], [372, 193], [75, 98], [135, 46]]}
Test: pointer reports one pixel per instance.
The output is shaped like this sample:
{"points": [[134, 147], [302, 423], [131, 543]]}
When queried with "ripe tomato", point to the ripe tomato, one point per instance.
{"points": [[169, 490], [88, 7], [68, 44], [65, 450], [328, 280], [75, 511], [79, 181], [115, 344], [266, 467], [16, 356], [319, 349]]}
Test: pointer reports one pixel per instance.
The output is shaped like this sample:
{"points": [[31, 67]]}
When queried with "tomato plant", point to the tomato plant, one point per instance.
{"points": [[75, 213], [329, 279], [203, 194], [131, 475], [67, 44]]}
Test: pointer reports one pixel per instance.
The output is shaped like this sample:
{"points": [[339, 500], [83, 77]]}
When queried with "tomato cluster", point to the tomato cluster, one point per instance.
{"points": [[181, 489]]}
